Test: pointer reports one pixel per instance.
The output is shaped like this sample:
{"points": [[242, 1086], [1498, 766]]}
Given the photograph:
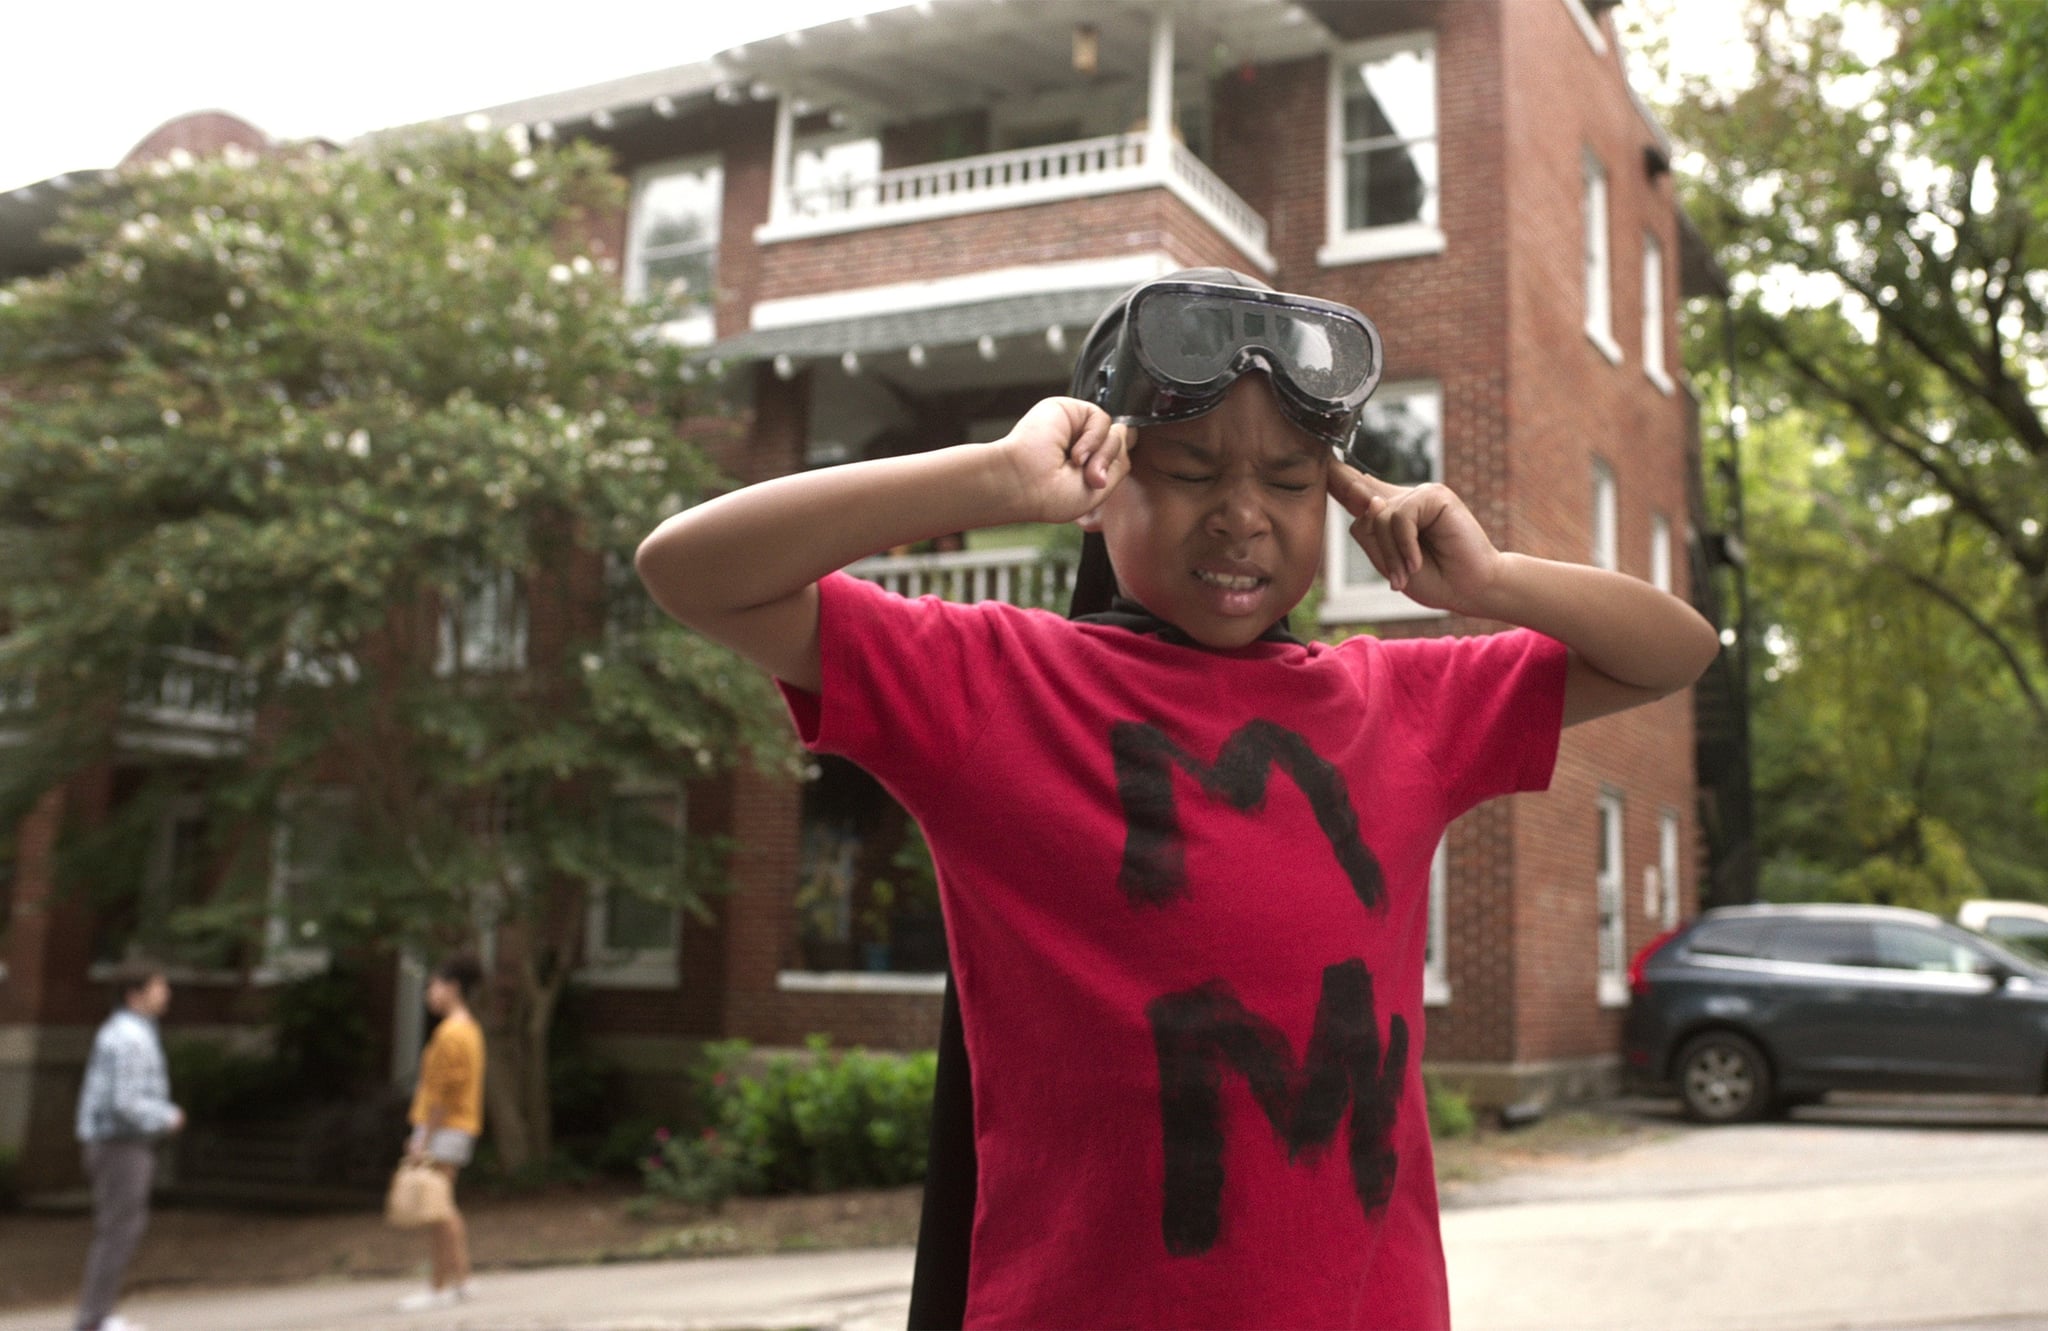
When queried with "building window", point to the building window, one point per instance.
{"points": [[485, 629], [1660, 552], [1667, 869], [832, 173], [1401, 439], [1599, 277], [1605, 518], [1613, 923], [306, 850], [1653, 313], [1436, 965], [867, 897], [1384, 165], [632, 931], [672, 244]]}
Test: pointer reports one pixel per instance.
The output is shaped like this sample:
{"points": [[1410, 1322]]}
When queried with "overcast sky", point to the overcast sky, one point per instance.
{"points": [[82, 83]]}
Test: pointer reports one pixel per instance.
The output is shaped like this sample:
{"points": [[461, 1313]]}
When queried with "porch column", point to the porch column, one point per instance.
{"points": [[778, 167], [1159, 102]]}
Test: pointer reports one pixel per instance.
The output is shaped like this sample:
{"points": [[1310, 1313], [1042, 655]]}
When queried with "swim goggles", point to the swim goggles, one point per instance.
{"points": [[1181, 344]]}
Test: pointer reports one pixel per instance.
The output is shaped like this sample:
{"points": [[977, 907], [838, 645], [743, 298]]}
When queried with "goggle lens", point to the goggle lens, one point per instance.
{"points": [[1195, 339]]}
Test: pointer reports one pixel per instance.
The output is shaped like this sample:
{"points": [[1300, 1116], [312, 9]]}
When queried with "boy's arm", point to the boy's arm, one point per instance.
{"points": [[743, 568], [1630, 643]]}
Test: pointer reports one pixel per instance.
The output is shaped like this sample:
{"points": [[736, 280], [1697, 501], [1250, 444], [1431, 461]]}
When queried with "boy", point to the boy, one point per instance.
{"points": [[1185, 867]]}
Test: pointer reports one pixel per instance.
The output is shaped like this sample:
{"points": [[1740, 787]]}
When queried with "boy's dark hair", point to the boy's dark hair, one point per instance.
{"points": [[462, 971], [130, 978], [1094, 580]]}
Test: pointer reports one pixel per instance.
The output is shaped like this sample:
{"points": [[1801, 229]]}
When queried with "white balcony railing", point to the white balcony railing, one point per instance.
{"points": [[190, 689], [1020, 575], [1082, 168]]}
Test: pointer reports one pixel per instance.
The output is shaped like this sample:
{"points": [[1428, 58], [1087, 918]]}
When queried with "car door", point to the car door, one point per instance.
{"points": [[1823, 1025], [1955, 1024]]}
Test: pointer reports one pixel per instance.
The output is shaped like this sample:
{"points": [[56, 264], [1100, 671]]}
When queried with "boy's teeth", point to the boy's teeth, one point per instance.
{"points": [[1232, 582]]}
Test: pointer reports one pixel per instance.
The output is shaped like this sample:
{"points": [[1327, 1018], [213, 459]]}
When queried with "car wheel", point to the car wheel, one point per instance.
{"points": [[1723, 1078]]}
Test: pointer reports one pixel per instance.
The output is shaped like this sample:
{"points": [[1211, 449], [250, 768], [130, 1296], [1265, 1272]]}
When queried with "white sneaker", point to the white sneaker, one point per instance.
{"points": [[116, 1322], [429, 1299]]}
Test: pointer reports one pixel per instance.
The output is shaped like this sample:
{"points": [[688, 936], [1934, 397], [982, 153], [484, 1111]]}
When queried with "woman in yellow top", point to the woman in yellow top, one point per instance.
{"points": [[447, 1114]]}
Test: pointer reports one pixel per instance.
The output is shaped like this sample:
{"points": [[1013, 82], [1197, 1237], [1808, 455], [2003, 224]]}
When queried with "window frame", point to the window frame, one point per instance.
{"points": [[696, 328], [1611, 900], [1669, 838], [1655, 344], [1597, 256], [606, 967], [1661, 562], [1397, 240], [1372, 600], [1436, 961], [1604, 547], [284, 958]]}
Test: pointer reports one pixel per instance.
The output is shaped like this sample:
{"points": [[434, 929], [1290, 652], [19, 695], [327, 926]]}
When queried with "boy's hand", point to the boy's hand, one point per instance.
{"points": [[1067, 458], [1421, 538]]}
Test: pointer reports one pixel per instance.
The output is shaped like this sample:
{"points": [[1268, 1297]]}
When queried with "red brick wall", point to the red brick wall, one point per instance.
{"points": [[1569, 406], [1132, 222]]}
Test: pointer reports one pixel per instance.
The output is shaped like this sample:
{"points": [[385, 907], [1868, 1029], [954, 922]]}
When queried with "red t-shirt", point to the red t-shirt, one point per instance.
{"points": [[1187, 895]]}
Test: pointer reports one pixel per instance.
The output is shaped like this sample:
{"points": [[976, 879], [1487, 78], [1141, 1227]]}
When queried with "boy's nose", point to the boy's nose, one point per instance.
{"points": [[1239, 514]]}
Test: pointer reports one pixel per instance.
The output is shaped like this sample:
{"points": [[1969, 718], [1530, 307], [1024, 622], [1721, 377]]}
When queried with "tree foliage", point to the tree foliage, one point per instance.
{"points": [[379, 428], [1876, 211]]}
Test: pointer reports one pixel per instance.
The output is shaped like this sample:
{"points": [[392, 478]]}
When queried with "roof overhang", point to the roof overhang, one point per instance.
{"points": [[944, 55], [26, 216]]}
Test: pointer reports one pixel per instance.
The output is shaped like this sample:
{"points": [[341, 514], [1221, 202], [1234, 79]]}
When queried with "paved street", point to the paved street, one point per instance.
{"points": [[1882, 1216]]}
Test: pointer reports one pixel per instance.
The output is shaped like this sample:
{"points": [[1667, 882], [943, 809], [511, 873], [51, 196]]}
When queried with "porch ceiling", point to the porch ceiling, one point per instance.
{"points": [[934, 327], [944, 55]]}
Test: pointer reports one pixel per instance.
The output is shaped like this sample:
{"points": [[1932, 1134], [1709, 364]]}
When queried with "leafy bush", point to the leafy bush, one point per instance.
{"points": [[1450, 1114], [818, 1122], [703, 1170]]}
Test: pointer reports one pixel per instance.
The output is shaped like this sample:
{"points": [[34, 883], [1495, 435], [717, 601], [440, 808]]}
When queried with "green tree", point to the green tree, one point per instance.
{"points": [[1888, 283], [379, 426]]}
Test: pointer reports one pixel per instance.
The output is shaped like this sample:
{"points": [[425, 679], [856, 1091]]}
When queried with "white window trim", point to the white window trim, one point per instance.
{"points": [[1375, 602], [1400, 241], [1613, 984], [1596, 259], [503, 650], [1654, 342], [1660, 552], [684, 332], [860, 982], [1436, 970], [1605, 549], [1668, 834], [1588, 28], [634, 968]]}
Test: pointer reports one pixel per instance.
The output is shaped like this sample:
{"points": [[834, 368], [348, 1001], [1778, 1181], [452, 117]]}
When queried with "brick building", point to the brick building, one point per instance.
{"points": [[890, 232]]}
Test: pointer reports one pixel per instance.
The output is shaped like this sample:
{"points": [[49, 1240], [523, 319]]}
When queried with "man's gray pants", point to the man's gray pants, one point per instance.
{"points": [[121, 1172]]}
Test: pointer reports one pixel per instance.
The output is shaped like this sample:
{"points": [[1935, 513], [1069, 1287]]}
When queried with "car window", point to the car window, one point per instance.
{"points": [[1743, 936], [2030, 934], [1903, 947], [1825, 942]]}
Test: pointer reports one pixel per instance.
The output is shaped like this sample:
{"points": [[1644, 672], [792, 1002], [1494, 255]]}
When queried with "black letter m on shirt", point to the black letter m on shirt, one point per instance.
{"points": [[1198, 1031], [1154, 870]]}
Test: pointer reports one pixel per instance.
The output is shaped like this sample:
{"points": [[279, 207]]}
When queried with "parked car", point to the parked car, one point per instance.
{"points": [[1751, 1009], [2020, 925]]}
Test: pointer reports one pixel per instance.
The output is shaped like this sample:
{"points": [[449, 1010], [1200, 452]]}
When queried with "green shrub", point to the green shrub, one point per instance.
{"points": [[1450, 1114], [818, 1122], [703, 1170]]}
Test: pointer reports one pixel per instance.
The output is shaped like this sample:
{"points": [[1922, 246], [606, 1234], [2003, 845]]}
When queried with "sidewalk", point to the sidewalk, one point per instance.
{"points": [[860, 1290]]}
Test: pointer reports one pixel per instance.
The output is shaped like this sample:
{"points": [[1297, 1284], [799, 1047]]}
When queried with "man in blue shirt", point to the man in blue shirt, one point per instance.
{"points": [[123, 1108]]}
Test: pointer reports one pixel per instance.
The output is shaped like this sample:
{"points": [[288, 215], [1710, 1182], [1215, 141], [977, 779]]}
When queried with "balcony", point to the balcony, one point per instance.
{"points": [[1021, 575], [1085, 168], [179, 700]]}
